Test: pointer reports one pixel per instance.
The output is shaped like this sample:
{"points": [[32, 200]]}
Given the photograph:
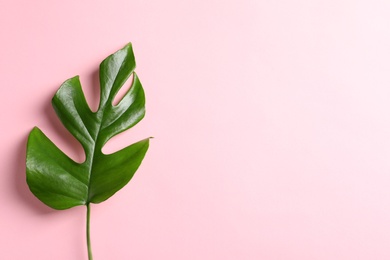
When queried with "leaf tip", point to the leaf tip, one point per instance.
{"points": [[34, 130]]}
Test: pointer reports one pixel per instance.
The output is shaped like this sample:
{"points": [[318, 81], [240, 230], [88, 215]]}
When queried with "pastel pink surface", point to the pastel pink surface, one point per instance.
{"points": [[271, 123]]}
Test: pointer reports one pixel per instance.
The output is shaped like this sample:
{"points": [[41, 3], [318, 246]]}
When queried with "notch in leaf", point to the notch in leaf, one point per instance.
{"points": [[62, 183]]}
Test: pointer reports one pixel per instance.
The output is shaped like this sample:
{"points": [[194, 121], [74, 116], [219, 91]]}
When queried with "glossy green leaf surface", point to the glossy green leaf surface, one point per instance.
{"points": [[62, 183]]}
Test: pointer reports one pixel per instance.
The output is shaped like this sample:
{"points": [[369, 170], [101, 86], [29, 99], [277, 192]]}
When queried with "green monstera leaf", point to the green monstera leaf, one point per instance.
{"points": [[62, 183]]}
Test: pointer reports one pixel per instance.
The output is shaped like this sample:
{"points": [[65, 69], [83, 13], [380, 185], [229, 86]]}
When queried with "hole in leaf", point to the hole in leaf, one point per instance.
{"points": [[61, 137], [123, 90], [91, 89]]}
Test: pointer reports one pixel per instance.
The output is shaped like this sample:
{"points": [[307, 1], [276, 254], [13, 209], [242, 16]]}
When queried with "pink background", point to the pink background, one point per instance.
{"points": [[271, 122]]}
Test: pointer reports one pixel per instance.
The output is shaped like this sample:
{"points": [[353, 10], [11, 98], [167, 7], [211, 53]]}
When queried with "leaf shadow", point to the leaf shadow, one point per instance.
{"points": [[53, 125], [62, 135], [64, 138], [33, 203]]}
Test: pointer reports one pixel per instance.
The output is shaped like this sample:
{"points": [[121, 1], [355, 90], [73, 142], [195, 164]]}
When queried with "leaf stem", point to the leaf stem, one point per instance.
{"points": [[88, 236]]}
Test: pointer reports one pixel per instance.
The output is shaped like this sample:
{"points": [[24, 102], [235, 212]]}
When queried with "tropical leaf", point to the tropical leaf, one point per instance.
{"points": [[62, 183]]}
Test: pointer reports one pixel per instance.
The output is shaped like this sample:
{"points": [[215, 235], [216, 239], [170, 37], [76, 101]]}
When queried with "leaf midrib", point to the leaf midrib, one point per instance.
{"points": [[101, 110], [93, 150]]}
